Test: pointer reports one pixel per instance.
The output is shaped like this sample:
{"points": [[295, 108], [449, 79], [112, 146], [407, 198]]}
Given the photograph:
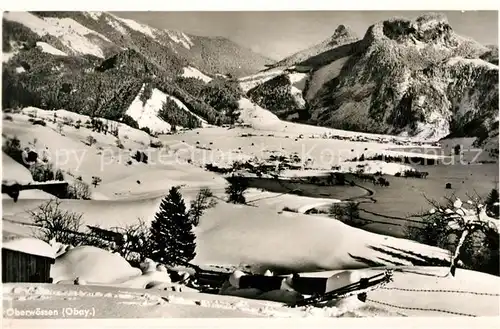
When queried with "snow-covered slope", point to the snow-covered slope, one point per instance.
{"points": [[146, 114], [50, 49], [324, 74], [255, 115], [181, 38], [72, 34], [343, 35], [192, 72], [13, 171], [249, 82], [299, 242]]}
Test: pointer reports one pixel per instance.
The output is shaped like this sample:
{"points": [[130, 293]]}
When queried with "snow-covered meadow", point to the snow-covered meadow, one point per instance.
{"points": [[256, 236]]}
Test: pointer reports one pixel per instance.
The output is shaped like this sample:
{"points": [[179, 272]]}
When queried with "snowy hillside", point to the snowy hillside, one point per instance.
{"points": [[146, 113], [51, 50], [191, 72], [74, 36], [100, 63], [228, 234]]}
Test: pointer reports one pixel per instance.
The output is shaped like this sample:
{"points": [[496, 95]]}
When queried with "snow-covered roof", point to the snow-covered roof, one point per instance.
{"points": [[30, 246]]}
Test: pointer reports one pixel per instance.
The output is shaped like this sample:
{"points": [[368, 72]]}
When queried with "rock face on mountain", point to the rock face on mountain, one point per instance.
{"points": [[343, 35], [414, 77]]}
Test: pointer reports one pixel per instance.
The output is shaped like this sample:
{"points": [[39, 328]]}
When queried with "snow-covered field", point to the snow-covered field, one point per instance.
{"points": [[107, 286], [259, 235], [470, 296]]}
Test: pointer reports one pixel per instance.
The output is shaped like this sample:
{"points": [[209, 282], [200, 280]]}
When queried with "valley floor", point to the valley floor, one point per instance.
{"points": [[259, 235]]}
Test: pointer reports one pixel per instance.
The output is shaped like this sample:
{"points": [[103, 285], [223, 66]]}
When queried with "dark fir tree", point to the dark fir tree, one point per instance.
{"points": [[236, 189], [172, 234], [492, 203]]}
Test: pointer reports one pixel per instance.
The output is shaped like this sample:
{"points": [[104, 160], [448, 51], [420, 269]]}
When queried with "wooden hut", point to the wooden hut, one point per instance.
{"points": [[27, 260]]}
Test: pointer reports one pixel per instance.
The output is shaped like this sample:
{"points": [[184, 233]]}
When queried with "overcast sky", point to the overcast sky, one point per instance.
{"points": [[279, 34]]}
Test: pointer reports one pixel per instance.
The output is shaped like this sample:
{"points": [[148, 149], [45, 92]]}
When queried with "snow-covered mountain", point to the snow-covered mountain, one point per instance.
{"points": [[100, 64], [404, 77], [414, 77], [343, 35], [101, 34]]}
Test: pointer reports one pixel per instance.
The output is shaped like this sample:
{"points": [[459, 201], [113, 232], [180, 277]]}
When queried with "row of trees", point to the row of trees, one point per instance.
{"points": [[175, 116]]}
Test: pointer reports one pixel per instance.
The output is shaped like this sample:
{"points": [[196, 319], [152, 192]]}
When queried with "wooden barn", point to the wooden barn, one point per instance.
{"points": [[27, 260]]}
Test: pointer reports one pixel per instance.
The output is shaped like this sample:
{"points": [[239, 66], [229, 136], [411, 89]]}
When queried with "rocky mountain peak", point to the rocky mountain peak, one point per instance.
{"points": [[429, 28], [343, 34]]}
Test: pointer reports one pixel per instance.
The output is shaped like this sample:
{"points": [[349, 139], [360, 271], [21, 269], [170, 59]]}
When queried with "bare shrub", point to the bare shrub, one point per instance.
{"points": [[204, 200], [119, 144], [91, 140], [56, 223], [96, 180], [465, 229], [78, 190], [136, 243], [12, 147], [347, 213]]}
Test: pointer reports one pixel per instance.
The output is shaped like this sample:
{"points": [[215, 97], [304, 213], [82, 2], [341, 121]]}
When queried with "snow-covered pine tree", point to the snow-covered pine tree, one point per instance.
{"points": [[172, 234]]}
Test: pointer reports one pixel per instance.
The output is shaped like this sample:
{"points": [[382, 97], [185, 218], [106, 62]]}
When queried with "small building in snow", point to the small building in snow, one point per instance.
{"points": [[27, 260]]}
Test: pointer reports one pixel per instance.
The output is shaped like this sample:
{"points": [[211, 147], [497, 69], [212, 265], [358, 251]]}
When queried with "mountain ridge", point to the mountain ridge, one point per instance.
{"points": [[404, 77], [414, 77], [97, 64]]}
